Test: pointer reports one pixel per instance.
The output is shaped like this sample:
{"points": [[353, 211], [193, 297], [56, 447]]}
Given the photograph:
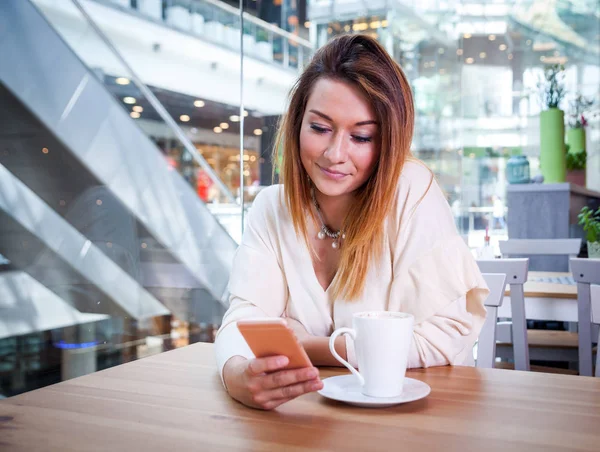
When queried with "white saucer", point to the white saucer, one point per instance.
{"points": [[346, 388]]}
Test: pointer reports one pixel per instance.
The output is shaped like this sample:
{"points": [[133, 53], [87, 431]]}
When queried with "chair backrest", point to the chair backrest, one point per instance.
{"points": [[516, 271], [595, 296], [586, 271], [595, 299], [486, 347], [587, 274], [547, 247]]}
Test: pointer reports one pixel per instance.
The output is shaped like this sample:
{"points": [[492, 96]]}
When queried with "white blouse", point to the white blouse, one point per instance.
{"points": [[426, 269]]}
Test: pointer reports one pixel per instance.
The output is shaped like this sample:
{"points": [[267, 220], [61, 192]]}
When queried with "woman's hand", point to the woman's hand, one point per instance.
{"points": [[317, 348], [261, 382], [298, 329]]}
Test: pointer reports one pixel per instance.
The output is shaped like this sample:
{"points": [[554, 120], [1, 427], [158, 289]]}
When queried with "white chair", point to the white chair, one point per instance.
{"points": [[122, 3], [264, 50], [198, 23], [532, 247], [249, 45], [232, 38], [152, 8], [516, 271], [215, 31], [586, 272], [595, 299], [540, 247], [179, 17], [486, 346]]}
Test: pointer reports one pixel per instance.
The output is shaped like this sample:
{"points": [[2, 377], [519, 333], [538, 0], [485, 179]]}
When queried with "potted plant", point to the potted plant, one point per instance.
{"points": [[590, 220], [576, 162], [576, 154], [552, 125]]}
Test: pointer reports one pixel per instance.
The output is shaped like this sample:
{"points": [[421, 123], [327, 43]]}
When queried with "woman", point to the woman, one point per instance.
{"points": [[357, 225]]}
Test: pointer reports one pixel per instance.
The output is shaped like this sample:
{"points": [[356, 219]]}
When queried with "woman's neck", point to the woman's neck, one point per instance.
{"points": [[334, 208]]}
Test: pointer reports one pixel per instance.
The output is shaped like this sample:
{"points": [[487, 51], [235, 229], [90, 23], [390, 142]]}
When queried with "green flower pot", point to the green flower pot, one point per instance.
{"points": [[576, 139], [594, 250], [552, 146]]}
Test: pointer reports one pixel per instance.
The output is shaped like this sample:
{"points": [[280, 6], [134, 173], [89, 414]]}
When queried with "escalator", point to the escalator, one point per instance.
{"points": [[89, 207]]}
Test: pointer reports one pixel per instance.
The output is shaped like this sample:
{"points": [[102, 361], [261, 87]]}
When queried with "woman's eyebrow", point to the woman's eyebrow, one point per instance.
{"points": [[324, 116]]}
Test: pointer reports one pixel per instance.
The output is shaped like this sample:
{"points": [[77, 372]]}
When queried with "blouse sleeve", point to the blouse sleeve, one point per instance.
{"points": [[257, 284], [436, 279]]}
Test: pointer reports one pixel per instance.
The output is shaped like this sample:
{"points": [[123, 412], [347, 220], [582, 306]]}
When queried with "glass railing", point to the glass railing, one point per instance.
{"points": [[219, 23], [96, 50]]}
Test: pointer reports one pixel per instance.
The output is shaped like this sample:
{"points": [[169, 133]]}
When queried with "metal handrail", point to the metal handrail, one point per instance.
{"points": [[160, 109], [261, 23]]}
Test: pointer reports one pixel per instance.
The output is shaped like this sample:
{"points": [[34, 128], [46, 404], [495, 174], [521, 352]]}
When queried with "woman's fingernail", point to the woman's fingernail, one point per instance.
{"points": [[282, 361]]}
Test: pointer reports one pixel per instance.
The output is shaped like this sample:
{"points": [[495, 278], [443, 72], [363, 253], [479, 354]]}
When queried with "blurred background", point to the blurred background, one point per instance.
{"points": [[136, 134]]}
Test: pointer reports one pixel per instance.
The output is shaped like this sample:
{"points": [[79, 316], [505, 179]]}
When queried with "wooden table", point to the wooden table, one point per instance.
{"points": [[175, 402]]}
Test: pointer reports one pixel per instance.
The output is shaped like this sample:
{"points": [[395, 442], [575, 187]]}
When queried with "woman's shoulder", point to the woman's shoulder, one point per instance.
{"points": [[269, 198], [268, 206], [415, 176], [417, 182]]}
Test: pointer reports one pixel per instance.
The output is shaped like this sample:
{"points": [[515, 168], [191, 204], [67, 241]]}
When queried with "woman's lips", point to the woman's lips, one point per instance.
{"points": [[333, 174]]}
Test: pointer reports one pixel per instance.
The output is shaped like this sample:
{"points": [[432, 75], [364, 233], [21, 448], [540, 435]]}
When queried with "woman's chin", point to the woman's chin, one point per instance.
{"points": [[333, 189]]}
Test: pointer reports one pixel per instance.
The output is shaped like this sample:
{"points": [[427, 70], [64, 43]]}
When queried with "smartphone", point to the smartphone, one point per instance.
{"points": [[273, 337]]}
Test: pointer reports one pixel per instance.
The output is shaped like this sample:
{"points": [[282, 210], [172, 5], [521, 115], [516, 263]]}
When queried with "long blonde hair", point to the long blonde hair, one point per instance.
{"points": [[363, 62]]}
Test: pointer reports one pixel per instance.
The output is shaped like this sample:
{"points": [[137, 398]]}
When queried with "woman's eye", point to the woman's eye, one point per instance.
{"points": [[318, 129], [360, 139]]}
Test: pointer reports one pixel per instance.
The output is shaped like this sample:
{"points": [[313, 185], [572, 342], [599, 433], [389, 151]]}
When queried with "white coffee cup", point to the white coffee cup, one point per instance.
{"points": [[382, 341]]}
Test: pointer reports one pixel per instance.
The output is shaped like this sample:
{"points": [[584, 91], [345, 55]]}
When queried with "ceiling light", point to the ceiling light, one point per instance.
{"points": [[346, 28], [375, 24], [502, 47], [245, 113], [459, 51], [510, 56], [492, 37], [306, 24], [258, 132], [543, 46], [129, 100], [138, 108], [134, 114], [467, 35], [482, 55], [469, 61], [224, 125], [184, 118], [217, 130], [122, 81], [199, 103], [234, 118], [384, 23], [45, 151]]}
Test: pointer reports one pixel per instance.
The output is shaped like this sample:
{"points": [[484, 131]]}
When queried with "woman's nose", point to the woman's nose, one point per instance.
{"points": [[336, 151]]}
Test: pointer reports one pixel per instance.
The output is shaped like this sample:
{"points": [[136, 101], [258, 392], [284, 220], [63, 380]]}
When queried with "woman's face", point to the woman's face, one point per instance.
{"points": [[339, 138]]}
